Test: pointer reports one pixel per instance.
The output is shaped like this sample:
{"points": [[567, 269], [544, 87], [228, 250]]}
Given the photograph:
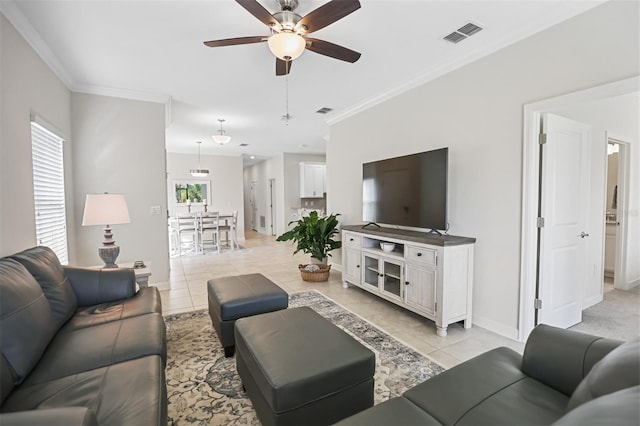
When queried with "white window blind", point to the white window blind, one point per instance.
{"points": [[48, 191]]}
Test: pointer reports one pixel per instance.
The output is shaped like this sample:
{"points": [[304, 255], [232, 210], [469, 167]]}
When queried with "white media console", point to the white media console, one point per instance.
{"points": [[429, 274]]}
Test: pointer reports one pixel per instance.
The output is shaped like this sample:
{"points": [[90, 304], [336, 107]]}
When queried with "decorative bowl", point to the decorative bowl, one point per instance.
{"points": [[387, 246]]}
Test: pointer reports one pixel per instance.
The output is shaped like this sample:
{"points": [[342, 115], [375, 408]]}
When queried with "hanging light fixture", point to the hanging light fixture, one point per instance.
{"points": [[199, 172], [221, 138]]}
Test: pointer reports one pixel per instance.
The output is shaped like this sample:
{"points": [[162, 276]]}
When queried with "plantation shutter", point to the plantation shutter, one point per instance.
{"points": [[48, 191]]}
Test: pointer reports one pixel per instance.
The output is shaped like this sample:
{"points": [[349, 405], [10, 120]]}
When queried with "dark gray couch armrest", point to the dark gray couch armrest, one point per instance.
{"points": [[66, 416], [93, 286], [562, 358]]}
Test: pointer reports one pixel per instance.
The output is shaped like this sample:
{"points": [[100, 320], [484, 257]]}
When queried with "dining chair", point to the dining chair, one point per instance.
{"points": [[186, 225], [210, 223], [230, 231]]}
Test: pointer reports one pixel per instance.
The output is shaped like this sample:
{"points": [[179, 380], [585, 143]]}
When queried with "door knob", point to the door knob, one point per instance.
{"points": [[583, 234]]}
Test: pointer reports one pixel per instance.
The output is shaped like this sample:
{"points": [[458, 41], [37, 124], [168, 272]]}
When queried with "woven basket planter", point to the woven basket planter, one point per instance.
{"points": [[315, 276]]}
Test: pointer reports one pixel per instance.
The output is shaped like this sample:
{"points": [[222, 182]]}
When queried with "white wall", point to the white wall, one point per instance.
{"points": [[225, 180], [477, 111], [119, 148], [618, 116], [27, 86]]}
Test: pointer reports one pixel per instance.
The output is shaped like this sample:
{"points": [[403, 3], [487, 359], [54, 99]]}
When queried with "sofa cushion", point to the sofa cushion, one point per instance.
{"points": [[620, 369], [100, 346], [396, 411], [43, 264], [525, 402], [77, 416], [128, 393], [615, 409], [6, 380], [449, 395], [26, 321], [145, 301]]}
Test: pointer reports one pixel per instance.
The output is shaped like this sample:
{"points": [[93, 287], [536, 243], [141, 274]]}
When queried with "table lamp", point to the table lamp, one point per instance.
{"points": [[106, 209]]}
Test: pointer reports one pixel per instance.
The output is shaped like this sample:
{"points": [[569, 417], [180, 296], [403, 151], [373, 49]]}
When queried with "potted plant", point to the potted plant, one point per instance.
{"points": [[314, 236]]}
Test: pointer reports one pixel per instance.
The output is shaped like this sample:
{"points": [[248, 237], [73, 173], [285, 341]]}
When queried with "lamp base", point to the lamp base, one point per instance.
{"points": [[109, 254]]}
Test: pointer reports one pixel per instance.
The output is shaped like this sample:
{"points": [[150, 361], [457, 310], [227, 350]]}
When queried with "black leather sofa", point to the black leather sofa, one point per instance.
{"points": [[79, 346], [563, 378]]}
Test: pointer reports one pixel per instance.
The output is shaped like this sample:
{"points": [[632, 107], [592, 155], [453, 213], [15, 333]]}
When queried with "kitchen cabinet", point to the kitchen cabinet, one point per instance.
{"points": [[312, 180]]}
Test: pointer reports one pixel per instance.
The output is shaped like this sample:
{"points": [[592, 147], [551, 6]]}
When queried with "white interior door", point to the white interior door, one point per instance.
{"points": [[564, 206]]}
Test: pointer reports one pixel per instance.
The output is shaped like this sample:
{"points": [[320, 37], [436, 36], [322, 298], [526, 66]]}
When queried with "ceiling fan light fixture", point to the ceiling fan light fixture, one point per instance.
{"points": [[221, 138], [287, 45], [199, 172]]}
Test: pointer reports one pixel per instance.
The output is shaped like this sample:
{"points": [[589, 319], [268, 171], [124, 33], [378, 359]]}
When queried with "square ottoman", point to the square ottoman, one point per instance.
{"points": [[241, 296], [300, 369]]}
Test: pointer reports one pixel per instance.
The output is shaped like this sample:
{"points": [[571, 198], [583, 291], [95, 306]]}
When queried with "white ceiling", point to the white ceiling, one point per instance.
{"points": [[153, 50]]}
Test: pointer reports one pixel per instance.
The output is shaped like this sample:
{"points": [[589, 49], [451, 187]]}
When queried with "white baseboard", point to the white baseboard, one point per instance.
{"points": [[496, 327], [161, 286], [592, 301]]}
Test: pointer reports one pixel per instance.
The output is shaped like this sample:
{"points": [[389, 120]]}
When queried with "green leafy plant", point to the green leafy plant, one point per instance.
{"points": [[314, 235]]}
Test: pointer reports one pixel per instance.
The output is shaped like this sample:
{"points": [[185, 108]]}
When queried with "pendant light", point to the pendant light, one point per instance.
{"points": [[221, 138], [199, 172]]}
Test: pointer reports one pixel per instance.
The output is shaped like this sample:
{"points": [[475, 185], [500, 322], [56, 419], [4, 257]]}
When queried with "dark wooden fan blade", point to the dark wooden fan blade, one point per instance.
{"points": [[332, 50], [235, 41], [263, 15], [283, 67], [327, 14]]}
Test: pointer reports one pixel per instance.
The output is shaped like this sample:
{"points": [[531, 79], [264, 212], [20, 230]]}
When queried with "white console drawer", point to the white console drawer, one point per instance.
{"points": [[421, 255], [351, 240]]}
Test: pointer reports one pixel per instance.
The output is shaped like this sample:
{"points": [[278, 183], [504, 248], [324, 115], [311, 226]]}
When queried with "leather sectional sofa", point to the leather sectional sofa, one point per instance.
{"points": [[79, 346], [563, 378]]}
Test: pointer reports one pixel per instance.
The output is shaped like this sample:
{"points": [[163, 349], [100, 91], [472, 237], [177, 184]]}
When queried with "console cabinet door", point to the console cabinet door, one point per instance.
{"points": [[420, 288], [371, 271], [391, 280], [351, 260]]}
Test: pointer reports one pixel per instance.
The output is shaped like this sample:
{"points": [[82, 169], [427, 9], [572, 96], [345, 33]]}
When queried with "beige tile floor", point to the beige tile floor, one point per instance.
{"points": [[189, 276]]}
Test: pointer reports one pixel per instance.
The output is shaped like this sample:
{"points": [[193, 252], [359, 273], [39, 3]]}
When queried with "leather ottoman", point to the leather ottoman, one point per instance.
{"points": [[299, 369], [241, 296]]}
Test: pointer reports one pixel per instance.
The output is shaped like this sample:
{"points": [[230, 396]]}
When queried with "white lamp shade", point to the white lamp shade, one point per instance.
{"points": [[286, 45], [105, 209]]}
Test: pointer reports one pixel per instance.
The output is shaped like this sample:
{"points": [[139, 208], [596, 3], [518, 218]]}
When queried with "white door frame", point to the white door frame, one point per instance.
{"points": [[623, 199], [530, 184]]}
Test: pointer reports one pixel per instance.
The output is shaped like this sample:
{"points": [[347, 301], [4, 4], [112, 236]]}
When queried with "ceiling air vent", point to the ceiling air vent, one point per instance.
{"points": [[324, 110], [462, 33]]}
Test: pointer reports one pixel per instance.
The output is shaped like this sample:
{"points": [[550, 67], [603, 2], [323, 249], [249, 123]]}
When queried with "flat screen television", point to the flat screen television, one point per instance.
{"points": [[408, 191]]}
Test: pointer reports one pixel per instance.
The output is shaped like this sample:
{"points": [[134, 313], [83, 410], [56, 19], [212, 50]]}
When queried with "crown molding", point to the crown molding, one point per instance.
{"points": [[529, 30], [123, 93], [12, 12]]}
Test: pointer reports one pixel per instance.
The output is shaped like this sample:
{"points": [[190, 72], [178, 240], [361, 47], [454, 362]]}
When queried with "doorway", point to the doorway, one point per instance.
{"points": [[253, 205], [530, 266], [272, 205]]}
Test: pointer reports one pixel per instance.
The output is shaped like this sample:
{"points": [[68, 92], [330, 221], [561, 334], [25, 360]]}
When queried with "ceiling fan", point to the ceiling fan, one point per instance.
{"points": [[289, 31]]}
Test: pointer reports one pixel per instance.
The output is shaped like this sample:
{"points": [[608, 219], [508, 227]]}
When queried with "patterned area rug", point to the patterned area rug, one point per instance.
{"points": [[203, 385]]}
